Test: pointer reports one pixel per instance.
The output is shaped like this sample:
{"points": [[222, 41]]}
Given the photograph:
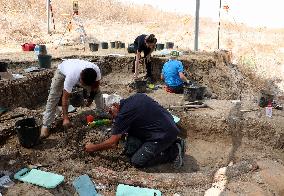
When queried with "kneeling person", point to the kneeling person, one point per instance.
{"points": [[172, 74], [150, 129]]}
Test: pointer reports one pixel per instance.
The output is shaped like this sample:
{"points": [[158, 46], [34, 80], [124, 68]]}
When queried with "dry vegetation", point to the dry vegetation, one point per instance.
{"points": [[259, 49]]}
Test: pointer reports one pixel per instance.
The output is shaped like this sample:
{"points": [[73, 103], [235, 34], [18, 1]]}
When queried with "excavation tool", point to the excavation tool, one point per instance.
{"points": [[36, 166], [190, 105]]}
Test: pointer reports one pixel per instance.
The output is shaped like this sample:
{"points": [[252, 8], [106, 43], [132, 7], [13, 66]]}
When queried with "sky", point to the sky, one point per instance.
{"points": [[254, 13]]}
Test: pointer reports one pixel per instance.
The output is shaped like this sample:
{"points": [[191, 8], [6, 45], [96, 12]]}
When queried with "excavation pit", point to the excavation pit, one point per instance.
{"points": [[212, 142]]}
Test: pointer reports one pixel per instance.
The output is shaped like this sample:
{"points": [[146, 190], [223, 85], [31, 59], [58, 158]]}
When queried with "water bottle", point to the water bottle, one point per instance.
{"points": [[268, 110], [36, 50], [101, 122]]}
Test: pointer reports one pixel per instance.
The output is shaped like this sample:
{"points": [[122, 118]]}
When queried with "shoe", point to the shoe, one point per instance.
{"points": [[149, 80], [178, 162], [182, 144], [44, 133]]}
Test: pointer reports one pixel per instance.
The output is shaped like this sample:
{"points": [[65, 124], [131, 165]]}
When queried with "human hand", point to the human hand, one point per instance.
{"points": [[88, 103], [135, 76], [89, 147], [66, 122]]}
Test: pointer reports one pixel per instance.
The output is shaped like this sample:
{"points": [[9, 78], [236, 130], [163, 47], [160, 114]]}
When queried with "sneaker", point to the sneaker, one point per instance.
{"points": [[182, 144], [149, 80], [178, 162]]}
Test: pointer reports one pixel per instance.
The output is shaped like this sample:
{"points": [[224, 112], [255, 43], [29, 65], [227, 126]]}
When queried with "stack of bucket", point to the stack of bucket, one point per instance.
{"points": [[43, 58], [117, 44]]}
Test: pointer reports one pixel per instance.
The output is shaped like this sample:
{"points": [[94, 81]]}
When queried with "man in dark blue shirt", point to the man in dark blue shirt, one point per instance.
{"points": [[150, 129], [146, 44]]}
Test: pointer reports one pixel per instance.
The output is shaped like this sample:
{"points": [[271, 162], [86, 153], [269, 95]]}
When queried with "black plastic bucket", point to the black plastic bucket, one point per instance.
{"points": [[28, 132], [44, 61], [141, 86], [104, 45], [3, 66], [112, 44], [122, 45], [190, 93], [94, 47], [169, 45], [200, 93], [160, 46], [130, 48]]}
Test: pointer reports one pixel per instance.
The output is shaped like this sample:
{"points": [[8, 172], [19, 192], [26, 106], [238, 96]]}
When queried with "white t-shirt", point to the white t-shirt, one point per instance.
{"points": [[72, 69]]}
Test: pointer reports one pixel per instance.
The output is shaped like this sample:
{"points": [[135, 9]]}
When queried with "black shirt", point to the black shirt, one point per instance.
{"points": [[140, 45], [142, 117]]}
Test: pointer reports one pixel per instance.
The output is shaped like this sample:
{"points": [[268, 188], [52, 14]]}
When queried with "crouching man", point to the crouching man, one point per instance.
{"points": [[172, 74], [69, 73], [150, 129]]}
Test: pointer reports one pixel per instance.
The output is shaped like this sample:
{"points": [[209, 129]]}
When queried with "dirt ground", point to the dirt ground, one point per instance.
{"points": [[212, 143]]}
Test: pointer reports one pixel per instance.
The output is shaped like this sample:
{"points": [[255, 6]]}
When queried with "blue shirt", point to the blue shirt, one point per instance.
{"points": [[142, 117], [170, 71]]}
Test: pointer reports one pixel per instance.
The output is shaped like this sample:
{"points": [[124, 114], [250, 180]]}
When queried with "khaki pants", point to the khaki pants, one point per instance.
{"points": [[54, 96]]}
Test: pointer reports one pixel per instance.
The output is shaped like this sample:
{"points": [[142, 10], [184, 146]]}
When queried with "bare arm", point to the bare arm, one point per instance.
{"points": [[182, 77], [107, 144], [94, 88], [149, 55], [152, 49], [65, 99]]}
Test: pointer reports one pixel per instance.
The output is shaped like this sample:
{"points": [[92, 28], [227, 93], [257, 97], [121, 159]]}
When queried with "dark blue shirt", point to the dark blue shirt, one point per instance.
{"points": [[140, 45], [142, 117]]}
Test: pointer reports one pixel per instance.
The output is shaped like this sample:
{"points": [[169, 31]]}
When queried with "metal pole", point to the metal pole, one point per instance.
{"points": [[219, 24], [48, 15], [196, 25]]}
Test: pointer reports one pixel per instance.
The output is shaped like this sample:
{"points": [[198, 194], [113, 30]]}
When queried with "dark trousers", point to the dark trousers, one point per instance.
{"points": [[148, 67], [150, 153], [176, 89]]}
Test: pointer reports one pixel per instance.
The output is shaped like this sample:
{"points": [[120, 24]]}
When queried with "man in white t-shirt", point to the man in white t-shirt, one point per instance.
{"points": [[69, 73]]}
